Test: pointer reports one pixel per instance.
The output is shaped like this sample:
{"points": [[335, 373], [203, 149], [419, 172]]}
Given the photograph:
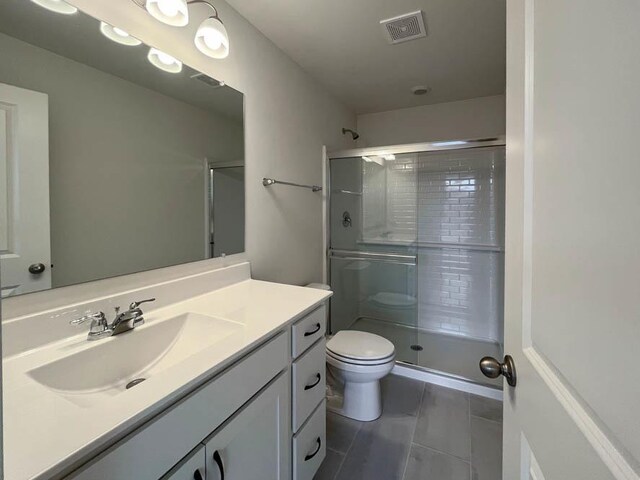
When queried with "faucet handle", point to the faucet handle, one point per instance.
{"points": [[140, 302], [96, 316]]}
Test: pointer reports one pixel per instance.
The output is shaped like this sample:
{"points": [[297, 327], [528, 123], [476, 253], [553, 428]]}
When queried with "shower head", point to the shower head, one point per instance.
{"points": [[353, 133]]}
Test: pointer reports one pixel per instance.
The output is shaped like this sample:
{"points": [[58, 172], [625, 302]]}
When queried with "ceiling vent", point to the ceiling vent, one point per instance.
{"points": [[404, 27], [212, 82]]}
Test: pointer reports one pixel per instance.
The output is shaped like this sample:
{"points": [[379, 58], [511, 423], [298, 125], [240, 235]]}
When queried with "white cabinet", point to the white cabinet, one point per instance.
{"points": [[190, 468], [152, 450], [309, 384], [308, 422], [240, 422], [254, 443], [309, 445], [308, 330]]}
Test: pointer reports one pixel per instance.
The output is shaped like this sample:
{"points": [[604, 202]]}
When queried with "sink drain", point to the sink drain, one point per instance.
{"points": [[417, 348], [135, 382]]}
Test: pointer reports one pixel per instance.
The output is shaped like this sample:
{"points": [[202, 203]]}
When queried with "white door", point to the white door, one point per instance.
{"points": [[228, 210], [572, 311], [255, 443], [25, 250]]}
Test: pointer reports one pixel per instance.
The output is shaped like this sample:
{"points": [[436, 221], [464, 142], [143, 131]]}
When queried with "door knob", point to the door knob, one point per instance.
{"points": [[492, 368], [37, 268]]}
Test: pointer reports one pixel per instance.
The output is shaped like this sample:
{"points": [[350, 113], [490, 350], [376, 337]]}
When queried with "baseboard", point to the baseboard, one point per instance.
{"points": [[448, 382]]}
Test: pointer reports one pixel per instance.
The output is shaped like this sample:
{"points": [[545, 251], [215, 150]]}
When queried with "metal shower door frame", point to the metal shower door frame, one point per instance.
{"points": [[437, 146]]}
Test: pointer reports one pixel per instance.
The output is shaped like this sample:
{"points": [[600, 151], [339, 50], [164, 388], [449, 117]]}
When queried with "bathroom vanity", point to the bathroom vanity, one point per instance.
{"points": [[137, 192], [234, 386]]}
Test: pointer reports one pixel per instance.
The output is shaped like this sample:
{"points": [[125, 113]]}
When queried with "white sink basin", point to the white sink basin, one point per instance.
{"points": [[102, 371]]}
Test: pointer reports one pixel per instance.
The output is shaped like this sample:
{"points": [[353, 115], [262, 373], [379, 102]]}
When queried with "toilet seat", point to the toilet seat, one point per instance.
{"points": [[377, 370], [352, 361], [360, 348]]}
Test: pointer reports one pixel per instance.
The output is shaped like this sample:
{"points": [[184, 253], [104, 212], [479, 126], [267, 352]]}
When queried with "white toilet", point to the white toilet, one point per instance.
{"points": [[359, 360]]}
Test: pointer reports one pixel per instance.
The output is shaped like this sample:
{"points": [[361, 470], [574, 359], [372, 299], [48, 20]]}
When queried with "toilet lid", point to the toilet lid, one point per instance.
{"points": [[360, 345]]}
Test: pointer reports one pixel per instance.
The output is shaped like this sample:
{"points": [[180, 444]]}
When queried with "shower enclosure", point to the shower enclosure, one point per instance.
{"points": [[416, 251]]}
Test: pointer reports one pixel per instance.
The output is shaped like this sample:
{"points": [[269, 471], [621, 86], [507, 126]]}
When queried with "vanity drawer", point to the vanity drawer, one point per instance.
{"points": [[309, 445], [307, 330], [309, 383], [153, 449]]}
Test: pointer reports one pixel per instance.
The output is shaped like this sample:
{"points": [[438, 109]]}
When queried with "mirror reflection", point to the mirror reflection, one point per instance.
{"points": [[115, 157]]}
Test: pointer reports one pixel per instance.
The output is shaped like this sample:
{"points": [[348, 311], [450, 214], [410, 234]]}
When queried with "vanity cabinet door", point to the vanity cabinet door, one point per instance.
{"points": [[254, 444], [190, 468]]}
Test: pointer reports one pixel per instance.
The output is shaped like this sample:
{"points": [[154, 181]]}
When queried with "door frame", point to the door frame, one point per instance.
{"points": [[209, 221]]}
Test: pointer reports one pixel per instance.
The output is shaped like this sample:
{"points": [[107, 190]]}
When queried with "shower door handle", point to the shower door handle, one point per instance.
{"points": [[492, 368]]}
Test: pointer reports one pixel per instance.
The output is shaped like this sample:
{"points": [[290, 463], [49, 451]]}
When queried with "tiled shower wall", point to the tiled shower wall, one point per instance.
{"points": [[449, 207]]}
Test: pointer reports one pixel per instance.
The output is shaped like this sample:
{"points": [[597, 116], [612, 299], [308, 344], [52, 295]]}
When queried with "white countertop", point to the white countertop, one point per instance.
{"points": [[45, 434]]}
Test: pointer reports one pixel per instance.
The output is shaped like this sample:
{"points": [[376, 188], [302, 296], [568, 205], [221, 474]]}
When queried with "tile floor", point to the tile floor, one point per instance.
{"points": [[426, 432]]}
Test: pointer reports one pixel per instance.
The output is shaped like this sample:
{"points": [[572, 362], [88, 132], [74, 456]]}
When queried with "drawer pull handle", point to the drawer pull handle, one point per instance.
{"points": [[197, 475], [318, 378], [311, 455], [218, 459], [313, 332]]}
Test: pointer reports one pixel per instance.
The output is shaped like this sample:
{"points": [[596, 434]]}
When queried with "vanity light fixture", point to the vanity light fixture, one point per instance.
{"points": [[211, 37], [58, 6], [164, 61], [171, 12], [118, 35]]}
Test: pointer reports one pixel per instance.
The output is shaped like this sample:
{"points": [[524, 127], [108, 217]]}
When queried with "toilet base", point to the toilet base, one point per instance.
{"points": [[359, 384], [363, 401]]}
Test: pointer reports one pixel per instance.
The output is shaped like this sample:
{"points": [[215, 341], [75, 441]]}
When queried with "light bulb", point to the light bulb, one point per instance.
{"points": [[58, 6], [168, 8], [165, 58], [212, 38], [118, 35], [120, 32], [164, 61], [213, 41], [171, 12]]}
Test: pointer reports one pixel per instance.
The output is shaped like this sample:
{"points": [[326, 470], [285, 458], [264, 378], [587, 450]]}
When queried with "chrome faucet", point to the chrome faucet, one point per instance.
{"points": [[123, 322]]}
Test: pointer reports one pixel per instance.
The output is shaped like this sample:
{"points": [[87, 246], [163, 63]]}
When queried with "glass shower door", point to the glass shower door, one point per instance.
{"points": [[372, 257], [461, 259]]}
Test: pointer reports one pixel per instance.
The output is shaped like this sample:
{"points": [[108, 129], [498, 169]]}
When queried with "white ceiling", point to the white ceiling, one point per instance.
{"points": [[341, 44]]}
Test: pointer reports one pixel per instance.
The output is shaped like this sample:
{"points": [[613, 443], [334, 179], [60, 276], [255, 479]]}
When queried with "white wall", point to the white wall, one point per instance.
{"points": [[288, 119], [126, 190], [475, 118]]}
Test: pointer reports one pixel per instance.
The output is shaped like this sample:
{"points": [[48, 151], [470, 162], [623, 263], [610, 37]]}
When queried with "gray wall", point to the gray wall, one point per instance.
{"points": [[289, 117], [475, 118], [127, 172]]}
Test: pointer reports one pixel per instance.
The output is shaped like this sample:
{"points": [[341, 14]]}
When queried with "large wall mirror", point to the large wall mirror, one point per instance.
{"points": [[115, 158]]}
